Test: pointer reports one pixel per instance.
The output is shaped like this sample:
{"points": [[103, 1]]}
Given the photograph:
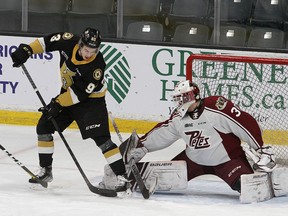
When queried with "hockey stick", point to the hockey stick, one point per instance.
{"points": [[144, 191], [115, 127], [44, 184], [92, 188]]}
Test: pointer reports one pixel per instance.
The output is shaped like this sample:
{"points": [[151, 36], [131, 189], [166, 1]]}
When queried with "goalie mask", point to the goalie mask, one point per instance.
{"points": [[185, 94], [90, 38]]}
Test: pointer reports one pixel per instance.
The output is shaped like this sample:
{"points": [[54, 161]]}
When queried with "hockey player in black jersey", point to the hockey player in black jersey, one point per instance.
{"points": [[82, 98]]}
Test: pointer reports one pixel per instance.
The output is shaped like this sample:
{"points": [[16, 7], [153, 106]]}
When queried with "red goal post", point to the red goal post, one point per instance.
{"points": [[257, 85], [229, 58]]}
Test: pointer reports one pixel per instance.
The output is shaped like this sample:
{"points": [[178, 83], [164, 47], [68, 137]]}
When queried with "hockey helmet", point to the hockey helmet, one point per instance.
{"points": [[91, 38], [185, 94]]}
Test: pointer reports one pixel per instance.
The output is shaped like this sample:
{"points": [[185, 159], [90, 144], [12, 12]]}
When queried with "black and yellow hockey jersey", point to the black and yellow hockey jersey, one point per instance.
{"points": [[81, 79]]}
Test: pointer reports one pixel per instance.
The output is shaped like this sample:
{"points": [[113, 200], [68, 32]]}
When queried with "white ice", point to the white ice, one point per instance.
{"points": [[68, 194]]}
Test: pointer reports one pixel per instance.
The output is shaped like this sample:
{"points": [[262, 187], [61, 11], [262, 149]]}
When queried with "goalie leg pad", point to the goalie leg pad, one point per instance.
{"points": [[167, 175], [279, 178], [256, 187]]}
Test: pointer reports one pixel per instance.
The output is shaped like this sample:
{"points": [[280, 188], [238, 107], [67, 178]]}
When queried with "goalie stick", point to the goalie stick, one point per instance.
{"points": [[145, 192], [44, 184], [143, 189], [92, 188]]}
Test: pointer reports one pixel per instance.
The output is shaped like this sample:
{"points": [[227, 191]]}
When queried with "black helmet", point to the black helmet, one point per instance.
{"points": [[91, 38]]}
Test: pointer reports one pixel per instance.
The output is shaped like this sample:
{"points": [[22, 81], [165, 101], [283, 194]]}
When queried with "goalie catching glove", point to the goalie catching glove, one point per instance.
{"points": [[263, 158], [266, 162]]}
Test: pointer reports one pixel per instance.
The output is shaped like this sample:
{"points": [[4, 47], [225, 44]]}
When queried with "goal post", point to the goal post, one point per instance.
{"points": [[257, 85]]}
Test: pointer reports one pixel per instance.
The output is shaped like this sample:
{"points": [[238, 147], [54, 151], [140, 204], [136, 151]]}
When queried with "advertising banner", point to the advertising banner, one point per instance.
{"points": [[140, 78], [16, 93]]}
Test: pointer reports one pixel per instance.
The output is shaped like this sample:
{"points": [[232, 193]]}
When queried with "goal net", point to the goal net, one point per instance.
{"points": [[258, 86]]}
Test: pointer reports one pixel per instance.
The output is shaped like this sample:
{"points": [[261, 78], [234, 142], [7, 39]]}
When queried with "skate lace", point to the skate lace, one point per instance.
{"points": [[41, 171], [122, 180]]}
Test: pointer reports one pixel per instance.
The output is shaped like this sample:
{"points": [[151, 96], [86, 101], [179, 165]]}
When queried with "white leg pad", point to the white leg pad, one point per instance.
{"points": [[279, 178], [167, 175], [256, 187]]}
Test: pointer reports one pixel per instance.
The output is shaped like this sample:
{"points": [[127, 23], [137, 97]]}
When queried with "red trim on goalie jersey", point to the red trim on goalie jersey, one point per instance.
{"points": [[236, 118], [230, 171]]}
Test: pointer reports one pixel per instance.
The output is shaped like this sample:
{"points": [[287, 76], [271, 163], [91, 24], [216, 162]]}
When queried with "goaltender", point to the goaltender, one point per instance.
{"points": [[214, 131]]}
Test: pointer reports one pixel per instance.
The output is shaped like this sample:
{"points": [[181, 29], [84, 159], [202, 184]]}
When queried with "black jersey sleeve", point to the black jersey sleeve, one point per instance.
{"points": [[59, 41]]}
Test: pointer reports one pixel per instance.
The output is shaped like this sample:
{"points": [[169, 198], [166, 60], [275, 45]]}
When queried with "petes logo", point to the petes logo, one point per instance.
{"points": [[197, 141], [117, 73]]}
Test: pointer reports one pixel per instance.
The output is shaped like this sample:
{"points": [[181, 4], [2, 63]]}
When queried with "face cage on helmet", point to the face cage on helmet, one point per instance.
{"points": [[183, 98]]}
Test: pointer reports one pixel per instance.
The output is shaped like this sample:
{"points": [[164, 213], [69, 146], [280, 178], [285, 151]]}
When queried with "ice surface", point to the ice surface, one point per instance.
{"points": [[69, 195]]}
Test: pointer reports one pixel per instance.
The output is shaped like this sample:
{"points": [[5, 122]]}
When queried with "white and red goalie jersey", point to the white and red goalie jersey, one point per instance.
{"points": [[212, 133]]}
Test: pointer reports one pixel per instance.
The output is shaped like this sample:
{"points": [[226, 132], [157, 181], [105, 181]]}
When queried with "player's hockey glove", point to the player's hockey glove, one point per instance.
{"points": [[137, 153], [266, 162], [52, 110], [21, 54]]}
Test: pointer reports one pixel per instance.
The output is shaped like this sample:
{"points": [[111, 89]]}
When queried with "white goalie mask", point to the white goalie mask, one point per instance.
{"points": [[184, 95]]}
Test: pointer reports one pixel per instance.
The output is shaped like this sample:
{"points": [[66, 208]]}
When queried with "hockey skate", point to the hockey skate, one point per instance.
{"points": [[122, 187], [44, 173]]}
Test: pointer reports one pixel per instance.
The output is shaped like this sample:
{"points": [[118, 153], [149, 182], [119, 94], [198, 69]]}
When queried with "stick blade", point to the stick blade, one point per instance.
{"points": [[102, 191]]}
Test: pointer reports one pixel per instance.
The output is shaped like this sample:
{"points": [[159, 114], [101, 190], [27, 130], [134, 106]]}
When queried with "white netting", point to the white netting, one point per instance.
{"points": [[258, 88]]}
